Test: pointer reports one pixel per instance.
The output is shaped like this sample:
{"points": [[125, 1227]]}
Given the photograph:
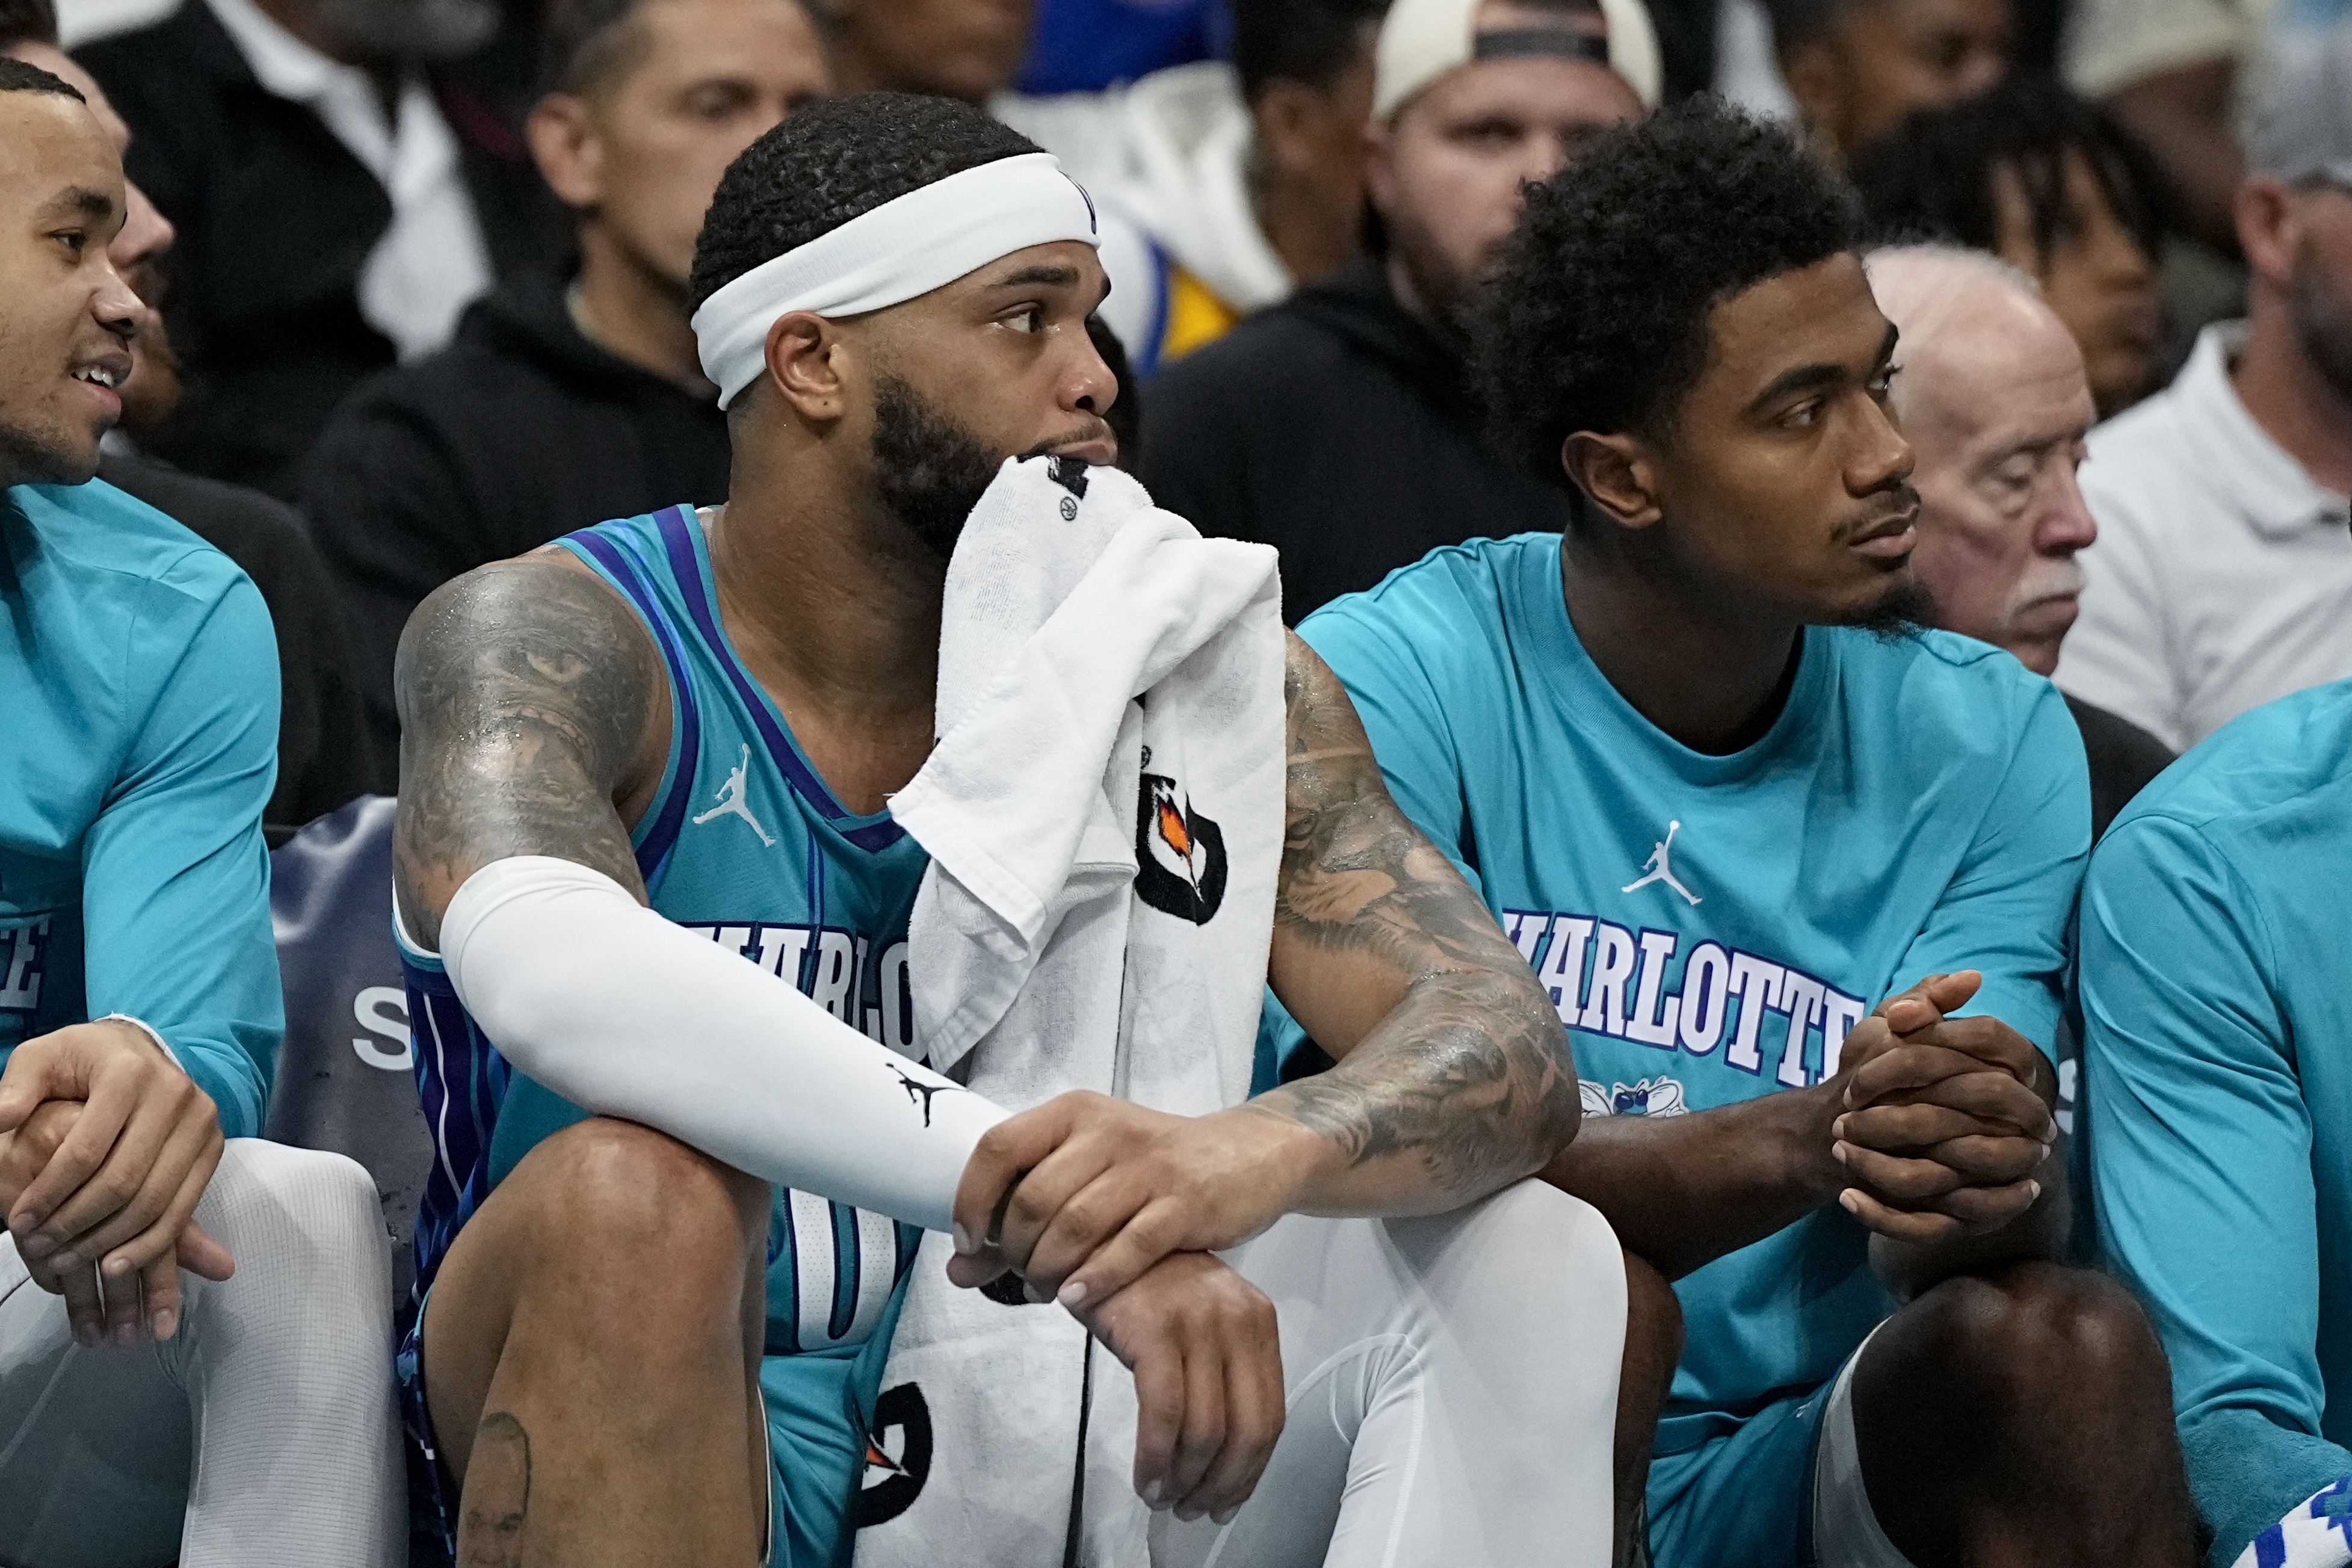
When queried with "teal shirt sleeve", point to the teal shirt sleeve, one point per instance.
{"points": [[2201, 1144], [175, 874], [2007, 910]]}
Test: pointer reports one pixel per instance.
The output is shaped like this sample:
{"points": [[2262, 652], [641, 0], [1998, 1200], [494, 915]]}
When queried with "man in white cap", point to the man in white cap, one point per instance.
{"points": [[634, 1347], [2222, 578], [1339, 426]]}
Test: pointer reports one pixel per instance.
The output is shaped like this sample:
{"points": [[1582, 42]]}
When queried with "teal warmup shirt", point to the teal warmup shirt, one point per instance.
{"points": [[1711, 927], [138, 745], [2218, 1095]]}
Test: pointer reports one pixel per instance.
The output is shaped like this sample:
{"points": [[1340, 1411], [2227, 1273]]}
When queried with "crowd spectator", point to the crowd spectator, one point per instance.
{"points": [[563, 403], [1994, 402], [2169, 73], [331, 219], [1793, 871], [1855, 68], [322, 757], [2211, 956], [2045, 181], [1340, 426], [166, 1277], [967, 49], [2222, 578], [1241, 181]]}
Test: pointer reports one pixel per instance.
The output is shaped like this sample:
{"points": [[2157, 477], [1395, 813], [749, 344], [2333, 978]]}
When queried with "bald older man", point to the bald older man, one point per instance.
{"points": [[1996, 404]]}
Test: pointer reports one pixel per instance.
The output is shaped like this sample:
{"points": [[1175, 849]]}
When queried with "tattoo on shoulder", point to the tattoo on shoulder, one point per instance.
{"points": [[524, 690], [1470, 1073]]}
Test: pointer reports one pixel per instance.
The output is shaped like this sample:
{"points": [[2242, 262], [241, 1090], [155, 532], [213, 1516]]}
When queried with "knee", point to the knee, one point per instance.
{"points": [[262, 1189], [1537, 1250], [2024, 1335], [622, 1201]]}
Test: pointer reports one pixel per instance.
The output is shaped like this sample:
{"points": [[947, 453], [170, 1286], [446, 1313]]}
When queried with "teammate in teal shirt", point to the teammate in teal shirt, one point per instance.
{"points": [[1731, 806], [140, 694], [2218, 1098]]}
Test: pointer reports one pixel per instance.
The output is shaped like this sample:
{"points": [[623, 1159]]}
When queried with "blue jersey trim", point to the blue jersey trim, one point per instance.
{"points": [[669, 818], [682, 535]]}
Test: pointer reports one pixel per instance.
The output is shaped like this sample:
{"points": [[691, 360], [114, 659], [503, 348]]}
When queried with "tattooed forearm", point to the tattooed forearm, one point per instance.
{"points": [[525, 689], [1452, 1064]]}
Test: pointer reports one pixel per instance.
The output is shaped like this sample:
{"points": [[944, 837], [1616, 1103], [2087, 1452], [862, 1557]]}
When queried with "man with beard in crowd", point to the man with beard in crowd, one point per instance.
{"points": [[562, 404], [332, 218], [1339, 426]]}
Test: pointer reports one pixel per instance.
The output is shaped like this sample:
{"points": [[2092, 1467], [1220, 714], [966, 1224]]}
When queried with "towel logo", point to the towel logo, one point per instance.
{"points": [[1659, 867], [734, 800], [1652, 1096], [898, 1455], [1179, 855]]}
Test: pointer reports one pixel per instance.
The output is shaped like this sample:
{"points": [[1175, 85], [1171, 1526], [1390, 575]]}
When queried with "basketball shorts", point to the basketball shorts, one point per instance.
{"points": [[820, 1408], [1785, 1491]]}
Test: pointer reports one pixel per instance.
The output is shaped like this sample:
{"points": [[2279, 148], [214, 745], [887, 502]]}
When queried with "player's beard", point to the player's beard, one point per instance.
{"points": [[1904, 609], [930, 471]]}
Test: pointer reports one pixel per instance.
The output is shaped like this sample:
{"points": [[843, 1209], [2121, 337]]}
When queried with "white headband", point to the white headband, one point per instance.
{"points": [[903, 247]]}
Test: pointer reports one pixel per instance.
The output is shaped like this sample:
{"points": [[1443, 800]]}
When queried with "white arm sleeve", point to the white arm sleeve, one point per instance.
{"points": [[625, 1015]]}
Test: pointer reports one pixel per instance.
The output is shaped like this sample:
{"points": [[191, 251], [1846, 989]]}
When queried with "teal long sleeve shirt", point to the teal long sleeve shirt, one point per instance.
{"points": [[138, 744], [2216, 926]]}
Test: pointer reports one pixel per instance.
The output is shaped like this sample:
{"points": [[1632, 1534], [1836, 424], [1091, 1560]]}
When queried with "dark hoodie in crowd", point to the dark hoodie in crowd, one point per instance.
{"points": [[324, 753], [519, 432], [1339, 430]]}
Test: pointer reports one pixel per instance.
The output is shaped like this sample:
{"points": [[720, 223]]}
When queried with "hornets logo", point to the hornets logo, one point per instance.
{"points": [[1652, 1096], [1179, 855], [898, 1455]]}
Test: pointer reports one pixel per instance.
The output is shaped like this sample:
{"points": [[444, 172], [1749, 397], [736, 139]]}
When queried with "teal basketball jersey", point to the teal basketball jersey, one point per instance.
{"points": [[743, 844]]}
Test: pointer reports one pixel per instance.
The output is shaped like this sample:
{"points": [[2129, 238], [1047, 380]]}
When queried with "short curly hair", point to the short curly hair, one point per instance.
{"points": [[831, 162], [1599, 317]]}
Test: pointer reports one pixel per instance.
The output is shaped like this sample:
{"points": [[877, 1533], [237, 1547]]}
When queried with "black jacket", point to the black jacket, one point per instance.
{"points": [[323, 757], [518, 433], [1339, 430], [277, 219], [2124, 760]]}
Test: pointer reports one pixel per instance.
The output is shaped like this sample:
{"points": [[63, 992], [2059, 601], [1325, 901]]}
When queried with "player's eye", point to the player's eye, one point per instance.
{"points": [[1882, 385], [74, 240], [1028, 318]]}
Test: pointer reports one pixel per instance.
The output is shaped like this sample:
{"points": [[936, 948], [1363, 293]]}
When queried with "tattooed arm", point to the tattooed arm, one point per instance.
{"points": [[533, 715], [1454, 1076]]}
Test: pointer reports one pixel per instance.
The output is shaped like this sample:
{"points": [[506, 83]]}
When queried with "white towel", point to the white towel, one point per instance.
{"points": [[1104, 814]]}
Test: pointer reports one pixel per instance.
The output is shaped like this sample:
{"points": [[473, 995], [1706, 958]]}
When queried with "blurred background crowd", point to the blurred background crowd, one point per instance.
{"points": [[423, 266]]}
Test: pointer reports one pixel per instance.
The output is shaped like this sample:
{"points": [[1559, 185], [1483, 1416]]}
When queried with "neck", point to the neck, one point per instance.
{"points": [[634, 313], [1713, 681], [834, 610], [2300, 408], [1310, 226], [1410, 298]]}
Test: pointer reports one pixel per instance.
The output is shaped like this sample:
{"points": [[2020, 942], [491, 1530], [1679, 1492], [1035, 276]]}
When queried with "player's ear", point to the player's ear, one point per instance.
{"points": [[805, 364], [1617, 473]]}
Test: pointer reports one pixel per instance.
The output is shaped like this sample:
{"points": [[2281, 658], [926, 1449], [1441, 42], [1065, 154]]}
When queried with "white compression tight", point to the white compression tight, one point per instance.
{"points": [[262, 1434], [1451, 1392]]}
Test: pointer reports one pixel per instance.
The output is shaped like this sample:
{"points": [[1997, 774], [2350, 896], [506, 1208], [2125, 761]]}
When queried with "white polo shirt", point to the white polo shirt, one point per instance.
{"points": [[2222, 575]]}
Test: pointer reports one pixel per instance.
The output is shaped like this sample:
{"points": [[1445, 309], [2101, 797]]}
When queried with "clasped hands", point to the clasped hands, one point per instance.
{"points": [[105, 1147], [1943, 1122], [1116, 1212]]}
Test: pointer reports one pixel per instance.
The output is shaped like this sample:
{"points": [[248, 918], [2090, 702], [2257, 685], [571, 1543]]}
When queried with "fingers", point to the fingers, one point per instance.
{"points": [[1979, 1103], [85, 1306], [144, 1229], [1005, 1150], [1977, 1211], [202, 1255], [1153, 1234], [1204, 1431], [1254, 1418], [158, 1286], [1159, 1369], [1913, 1183], [1043, 1197], [122, 1315], [77, 1159]]}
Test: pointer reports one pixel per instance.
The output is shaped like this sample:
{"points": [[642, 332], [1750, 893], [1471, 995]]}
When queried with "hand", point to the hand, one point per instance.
{"points": [[1947, 1118], [118, 1178], [1085, 1193], [1207, 1360]]}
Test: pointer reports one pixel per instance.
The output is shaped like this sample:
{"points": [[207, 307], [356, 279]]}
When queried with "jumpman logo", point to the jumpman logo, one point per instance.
{"points": [[1658, 868], [919, 1093], [732, 802]]}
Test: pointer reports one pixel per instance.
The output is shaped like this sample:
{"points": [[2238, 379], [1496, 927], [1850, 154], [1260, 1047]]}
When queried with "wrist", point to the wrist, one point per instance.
{"points": [[143, 1031], [1807, 1137]]}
